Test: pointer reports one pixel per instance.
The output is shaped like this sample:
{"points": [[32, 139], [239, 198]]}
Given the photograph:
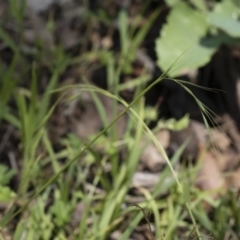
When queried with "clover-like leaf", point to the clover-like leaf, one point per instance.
{"points": [[184, 35], [225, 16]]}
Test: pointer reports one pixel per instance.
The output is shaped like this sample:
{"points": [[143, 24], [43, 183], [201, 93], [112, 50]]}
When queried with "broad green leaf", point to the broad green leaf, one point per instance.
{"points": [[225, 16], [182, 37], [6, 194], [200, 4]]}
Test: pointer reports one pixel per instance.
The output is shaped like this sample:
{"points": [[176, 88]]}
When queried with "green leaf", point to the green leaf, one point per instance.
{"points": [[225, 16], [183, 35], [6, 194], [173, 124], [6, 174], [61, 212], [200, 4]]}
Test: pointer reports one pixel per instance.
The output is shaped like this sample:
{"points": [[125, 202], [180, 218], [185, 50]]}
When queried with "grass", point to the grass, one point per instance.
{"points": [[69, 193]]}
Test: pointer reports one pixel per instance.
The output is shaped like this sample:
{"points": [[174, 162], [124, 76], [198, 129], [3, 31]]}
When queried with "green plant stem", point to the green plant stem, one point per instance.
{"points": [[8, 218]]}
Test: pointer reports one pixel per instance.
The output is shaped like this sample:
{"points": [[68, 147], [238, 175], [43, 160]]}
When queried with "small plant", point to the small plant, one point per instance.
{"points": [[82, 188], [6, 194]]}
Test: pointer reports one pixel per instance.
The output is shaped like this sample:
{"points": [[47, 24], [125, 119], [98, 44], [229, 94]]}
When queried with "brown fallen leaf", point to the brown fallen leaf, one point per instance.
{"points": [[145, 179], [195, 139], [220, 139], [90, 121], [233, 179], [210, 177], [151, 157]]}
